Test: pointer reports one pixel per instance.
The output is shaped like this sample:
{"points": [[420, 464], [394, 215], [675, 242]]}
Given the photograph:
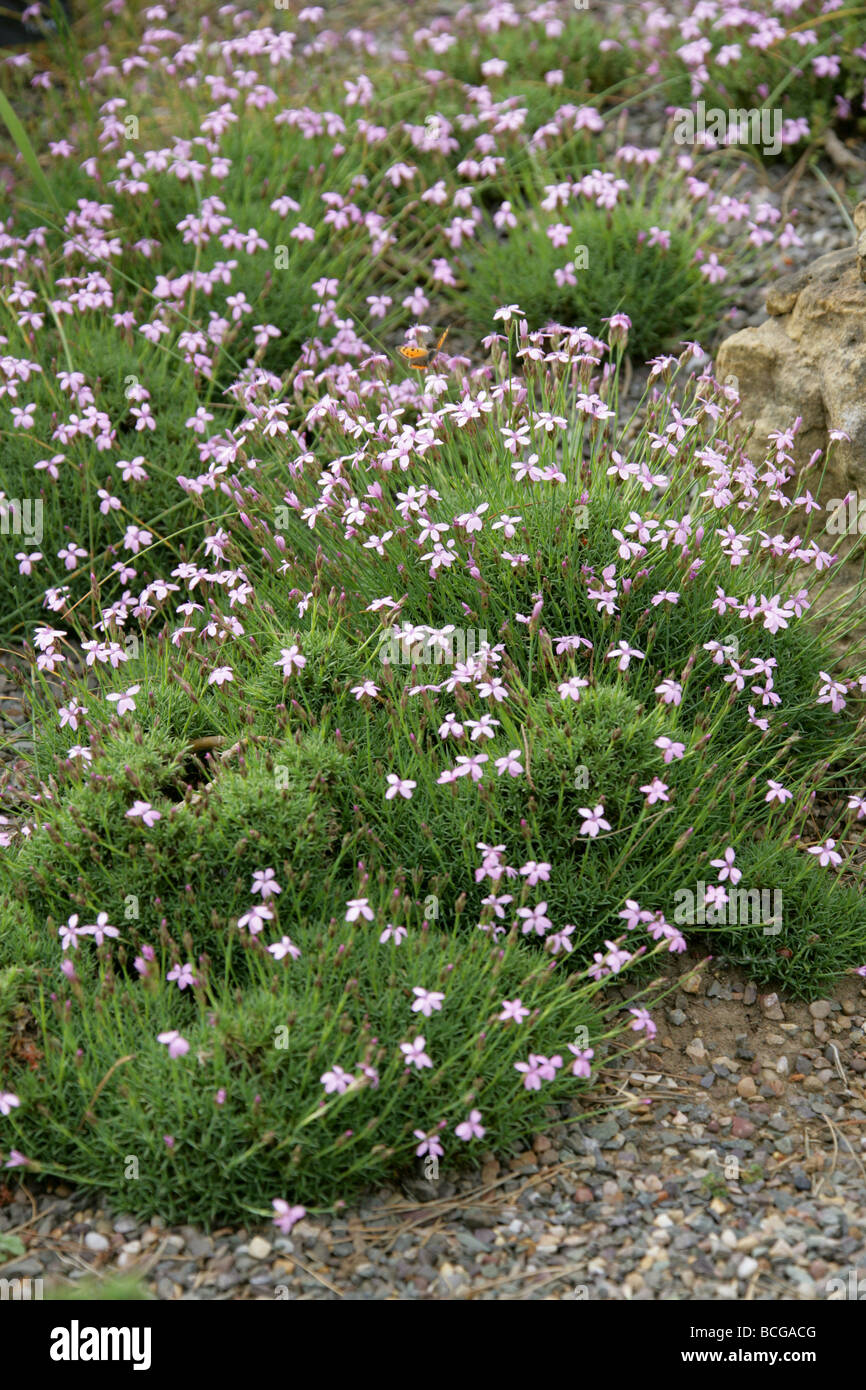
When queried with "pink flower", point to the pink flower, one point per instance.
{"points": [[257, 917], [8, 1102], [633, 914], [471, 1128], [549, 1066], [336, 1080], [534, 919], [265, 882], [593, 820], [77, 751], [656, 790], [291, 659], [509, 763], [284, 947], [828, 854], [286, 1216], [429, 1145], [176, 1045], [399, 786], [415, 1054], [513, 1010], [451, 727], [560, 940], [624, 654], [616, 957], [471, 767], [427, 1001], [144, 811], [531, 1071], [221, 675], [777, 792], [670, 692], [125, 702], [359, 907], [69, 933], [570, 689], [182, 974], [485, 727], [642, 1020], [100, 929], [670, 749], [582, 1058], [832, 693], [398, 933], [726, 866], [714, 272]]}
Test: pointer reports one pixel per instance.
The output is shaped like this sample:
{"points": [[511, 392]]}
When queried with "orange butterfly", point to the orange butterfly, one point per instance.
{"points": [[419, 358]]}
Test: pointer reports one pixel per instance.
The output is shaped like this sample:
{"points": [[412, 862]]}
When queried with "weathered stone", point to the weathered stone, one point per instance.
{"points": [[772, 1008], [809, 360]]}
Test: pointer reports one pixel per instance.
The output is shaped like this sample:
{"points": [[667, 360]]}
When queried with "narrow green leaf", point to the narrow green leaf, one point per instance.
{"points": [[11, 1248], [28, 154]]}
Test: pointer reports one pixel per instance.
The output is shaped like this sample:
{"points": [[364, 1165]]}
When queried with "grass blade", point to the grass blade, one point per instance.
{"points": [[26, 150]]}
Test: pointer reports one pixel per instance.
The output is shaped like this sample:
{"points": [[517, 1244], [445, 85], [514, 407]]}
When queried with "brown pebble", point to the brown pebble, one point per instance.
{"points": [[524, 1160]]}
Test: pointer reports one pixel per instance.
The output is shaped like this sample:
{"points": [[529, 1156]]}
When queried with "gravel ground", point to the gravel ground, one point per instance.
{"points": [[642, 1204]]}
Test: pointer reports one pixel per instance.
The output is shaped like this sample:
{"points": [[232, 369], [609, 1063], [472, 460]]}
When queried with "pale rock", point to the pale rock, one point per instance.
{"points": [[772, 1008], [809, 359]]}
